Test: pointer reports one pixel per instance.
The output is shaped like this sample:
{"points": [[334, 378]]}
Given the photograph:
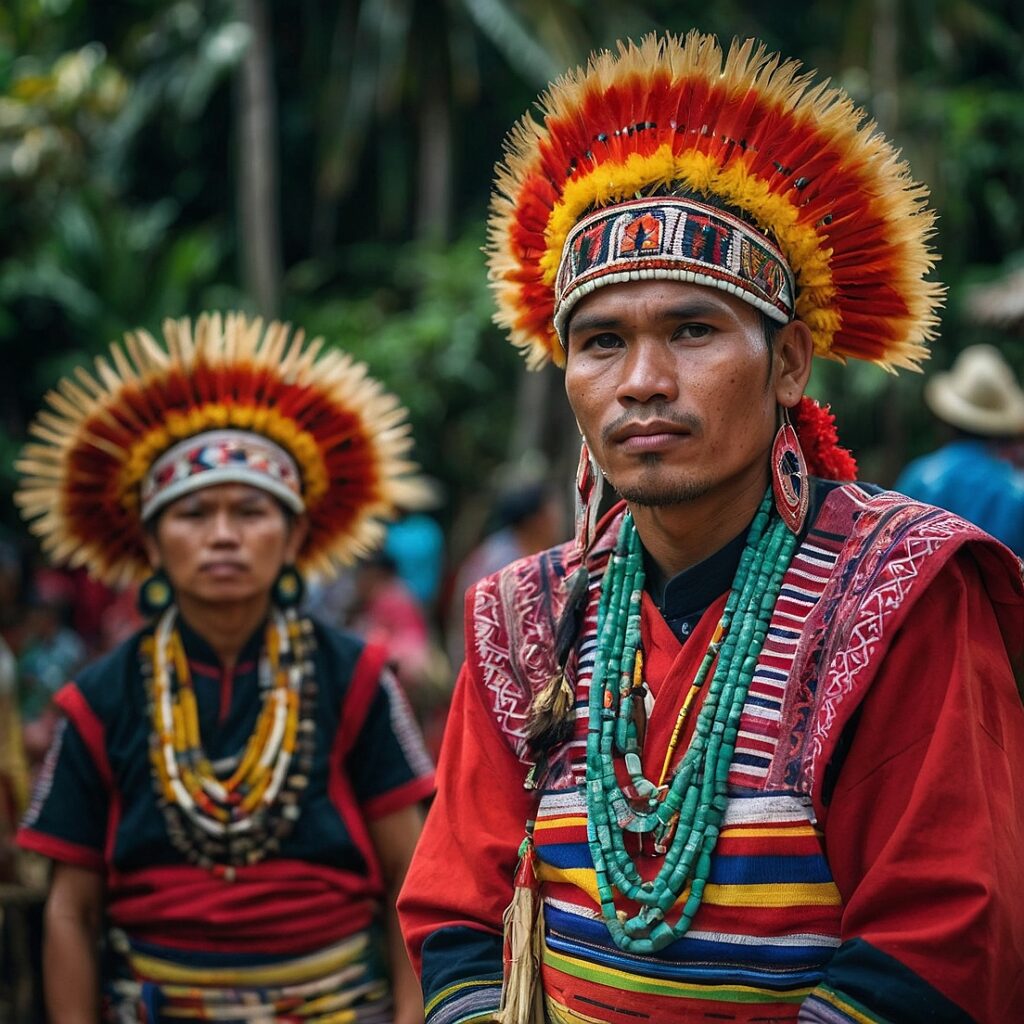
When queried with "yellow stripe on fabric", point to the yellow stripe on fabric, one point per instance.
{"points": [[853, 1010], [782, 894], [733, 832], [558, 1013], [790, 894], [446, 993], [289, 973], [576, 821], [739, 832], [615, 978]]}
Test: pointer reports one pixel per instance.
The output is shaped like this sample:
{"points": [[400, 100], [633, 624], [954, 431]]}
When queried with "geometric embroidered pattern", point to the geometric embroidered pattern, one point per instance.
{"points": [[227, 456], [513, 643], [681, 239], [871, 605], [759, 729]]}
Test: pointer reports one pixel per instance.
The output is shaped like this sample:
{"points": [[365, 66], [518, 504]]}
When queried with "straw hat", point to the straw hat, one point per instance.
{"points": [[979, 394]]}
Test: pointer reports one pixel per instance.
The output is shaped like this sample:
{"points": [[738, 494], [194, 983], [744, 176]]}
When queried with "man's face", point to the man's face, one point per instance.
{"points": [[670, 384], [223, 544]]}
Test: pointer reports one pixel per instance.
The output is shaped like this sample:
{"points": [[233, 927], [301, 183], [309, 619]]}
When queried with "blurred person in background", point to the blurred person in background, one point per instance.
{"points": [[754, 738], [13, 766], [388, 613], [233, 794], [979, 473], [415, 543], [527, 518], [51, 652]]}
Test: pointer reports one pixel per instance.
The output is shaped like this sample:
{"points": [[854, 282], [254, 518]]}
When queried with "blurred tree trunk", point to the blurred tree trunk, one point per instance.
{"points": [[434, 199], [258, 227], [885, 64], [885, 90], [534, 397], [544, 425]]}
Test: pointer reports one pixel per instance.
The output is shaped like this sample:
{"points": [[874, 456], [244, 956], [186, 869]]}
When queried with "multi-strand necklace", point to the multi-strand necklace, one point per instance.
{"points": [[222, 820], [684, 814]]}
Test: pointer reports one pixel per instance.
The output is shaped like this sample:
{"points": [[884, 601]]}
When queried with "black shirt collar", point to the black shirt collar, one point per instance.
{"points": [[201, 655], [684, 598]]}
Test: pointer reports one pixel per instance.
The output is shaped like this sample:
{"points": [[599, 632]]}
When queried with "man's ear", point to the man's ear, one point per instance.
{"points": [[794, 352]]}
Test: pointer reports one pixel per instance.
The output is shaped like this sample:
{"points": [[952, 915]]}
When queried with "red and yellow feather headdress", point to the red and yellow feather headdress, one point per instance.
{"points": [[748, 134], [227, 398]]}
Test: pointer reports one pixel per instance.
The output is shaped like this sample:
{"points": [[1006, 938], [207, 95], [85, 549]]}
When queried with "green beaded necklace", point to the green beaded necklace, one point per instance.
{"points": [[685, 815]]}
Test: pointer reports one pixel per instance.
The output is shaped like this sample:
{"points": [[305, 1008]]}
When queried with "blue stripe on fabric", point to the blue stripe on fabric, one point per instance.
{"points": [[565, 855], [753, 760], [694, 960], [725, 869], [766, 870], [763, 702], [466, 1005]]}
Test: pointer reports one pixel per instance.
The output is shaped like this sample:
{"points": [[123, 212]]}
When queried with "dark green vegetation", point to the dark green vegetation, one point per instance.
{"points": [[330, 163]]}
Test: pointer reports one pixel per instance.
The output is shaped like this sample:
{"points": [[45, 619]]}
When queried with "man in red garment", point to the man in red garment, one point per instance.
{"points": [[761, 728]]}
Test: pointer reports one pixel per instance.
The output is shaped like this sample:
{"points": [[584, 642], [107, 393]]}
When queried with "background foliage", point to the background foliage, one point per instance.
{"points": [[131, 135]]}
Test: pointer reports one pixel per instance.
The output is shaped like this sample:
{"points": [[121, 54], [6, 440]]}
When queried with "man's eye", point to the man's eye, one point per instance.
{"points": [[604, 341], [693, 331]]}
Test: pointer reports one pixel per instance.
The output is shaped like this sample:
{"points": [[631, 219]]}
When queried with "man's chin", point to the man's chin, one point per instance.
{"points": [[661, 492]]}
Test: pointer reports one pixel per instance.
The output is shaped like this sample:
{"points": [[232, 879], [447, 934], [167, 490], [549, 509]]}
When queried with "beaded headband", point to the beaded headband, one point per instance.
{"points": [[221, 457], [747, 132], [674, 239], [224, 399]]}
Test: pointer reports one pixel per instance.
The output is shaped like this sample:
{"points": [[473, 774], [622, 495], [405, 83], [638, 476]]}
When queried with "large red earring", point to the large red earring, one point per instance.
{"points": [[789, 476]]}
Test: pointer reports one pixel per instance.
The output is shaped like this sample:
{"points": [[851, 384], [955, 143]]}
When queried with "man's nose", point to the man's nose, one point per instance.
{"points": [[650, 374]]}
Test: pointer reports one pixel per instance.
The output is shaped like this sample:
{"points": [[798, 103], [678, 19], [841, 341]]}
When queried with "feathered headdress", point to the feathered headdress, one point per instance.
{"points": [[842, 229], [228, 399]]}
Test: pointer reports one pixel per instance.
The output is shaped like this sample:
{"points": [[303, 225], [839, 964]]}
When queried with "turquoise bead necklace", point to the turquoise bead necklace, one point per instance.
{"points": [[684, 816]]}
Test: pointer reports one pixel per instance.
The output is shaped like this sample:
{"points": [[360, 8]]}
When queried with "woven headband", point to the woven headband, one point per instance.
{"points": [[221, 457], [672, 239], [222, 400], [801, 206]]}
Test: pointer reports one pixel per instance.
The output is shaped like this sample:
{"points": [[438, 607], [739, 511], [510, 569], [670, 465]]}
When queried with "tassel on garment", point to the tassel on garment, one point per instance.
{"points": [[551, 721], [522, 998]]}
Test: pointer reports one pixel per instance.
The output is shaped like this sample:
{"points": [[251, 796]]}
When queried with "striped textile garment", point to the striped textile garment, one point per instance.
{"points": [[836, 855], [344, 984], [769, 920]]}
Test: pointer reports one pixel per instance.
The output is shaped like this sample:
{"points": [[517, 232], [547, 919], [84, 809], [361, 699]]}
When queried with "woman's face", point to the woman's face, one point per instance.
{"points": [[224, 544]]}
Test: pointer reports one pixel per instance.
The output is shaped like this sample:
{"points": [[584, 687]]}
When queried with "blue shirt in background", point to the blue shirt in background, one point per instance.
{"points": [[967, 477]]}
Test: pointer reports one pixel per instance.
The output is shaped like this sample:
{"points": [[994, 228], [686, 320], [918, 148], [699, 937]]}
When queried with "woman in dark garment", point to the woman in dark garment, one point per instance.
{"points": [[234, 793]]}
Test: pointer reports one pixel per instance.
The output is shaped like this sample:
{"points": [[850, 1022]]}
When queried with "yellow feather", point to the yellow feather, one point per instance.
{"points": [[873, 164], [51, 463]]}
